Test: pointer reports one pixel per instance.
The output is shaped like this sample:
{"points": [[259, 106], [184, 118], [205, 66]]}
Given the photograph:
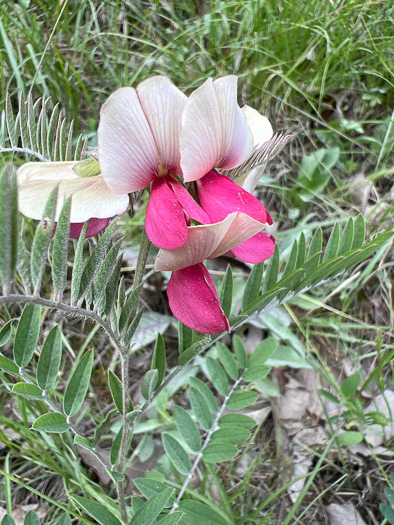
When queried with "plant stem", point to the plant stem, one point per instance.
{"points": [[142, 258]]}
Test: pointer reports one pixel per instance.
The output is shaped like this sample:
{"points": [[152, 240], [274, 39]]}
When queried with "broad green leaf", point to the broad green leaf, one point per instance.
{"points": [[9, 227], [7, 520], [171, 519], [219, 452], [206, 392], [255, 373], [78, 385], [28, 391], [185, 337], [50, 359], [87, 168], [263, 352], [132, 415], [52, 423], [150, 487], [390, 493], [291, 262], [6, 332], [347, 238], [31, 518], [253, 285], [82, 442], [116, 388], [359, 232], [349, 438], [78, 265], [217, 375], [42, 237], [233, 435], [197, 513], [27, 335], [63, 520], [271, 275], [128, 308], [242, 400], [239, 420], [176, 453], [114, 454], [23, 265], [200, 408], [103, 277], [240, 351], [97, 511], [195, 349], [8, 366], [149, 511], [187, 428], [333, 244], [350, 384], [60, 249], [387, 512], [226, 291], [159, 359], [228, 360], [149, 383]]}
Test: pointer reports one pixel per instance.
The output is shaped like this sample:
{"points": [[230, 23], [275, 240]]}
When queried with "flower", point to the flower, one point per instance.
{"points": [[191, 291]]}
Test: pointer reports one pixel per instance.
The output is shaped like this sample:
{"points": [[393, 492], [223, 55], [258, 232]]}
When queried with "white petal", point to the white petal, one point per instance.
{"points": [[259, 125], [163, 104], [201, 135], [127, 152], [237, 140], [91, 197]]}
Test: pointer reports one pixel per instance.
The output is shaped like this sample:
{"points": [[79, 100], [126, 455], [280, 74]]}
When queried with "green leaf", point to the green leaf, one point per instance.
{"points": [[349, 438], [128, 308], [200, 408], [206, 392], [31, 518], [116, 388], [52, 423], [347, 238], [291, 263], [42, 237], [332, 245], [133, 328], [271, 275], [239, 420], [6, 332], [256, 373], [8, 366], [198, 513], [7, 520], [9, 227], [103, 276], [187, 428], [171, 519], [387, 512], [149, 383], [149, 511], [63, 520], [159, 359], [60, 249], [301, 252], [185, 337], [78, 265], [219, 452], [97, 511], [150, 487], [28, 391], [217, 375], [176, 453], [87, 168], [228, 360], [359, 232], [82, 442], [27, 335], [111, 289], [329, 396], [233, 435], [315, 247], [78, 385], [115, 449], [350, 384], [195, 349], [263, 352], [242, 400], [226, 291], [253, 285], [49, 363], [240, 351]]}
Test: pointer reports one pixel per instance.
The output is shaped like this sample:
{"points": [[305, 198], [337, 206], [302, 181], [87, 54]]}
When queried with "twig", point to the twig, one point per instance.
{"points": [[27, 151]]}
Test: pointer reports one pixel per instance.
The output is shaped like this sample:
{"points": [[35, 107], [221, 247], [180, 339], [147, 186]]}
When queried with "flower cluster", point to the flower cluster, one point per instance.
{"points": [[154, 136]]}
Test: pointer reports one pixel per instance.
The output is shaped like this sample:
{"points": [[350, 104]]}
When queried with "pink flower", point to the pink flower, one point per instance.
{"points": [[191, 291]]}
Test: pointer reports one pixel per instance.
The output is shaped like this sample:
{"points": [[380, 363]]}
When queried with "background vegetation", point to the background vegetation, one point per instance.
{"points": [[321, 70]]}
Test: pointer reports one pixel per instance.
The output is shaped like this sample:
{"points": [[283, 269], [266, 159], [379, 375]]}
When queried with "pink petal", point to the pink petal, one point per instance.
{"points": [[257, 249], [95, 226], [163, 104], [190, 206], [194, 300], [220, 196], [259, 125], [165, 219], [127, 151], [91, 197], [211, 240]]}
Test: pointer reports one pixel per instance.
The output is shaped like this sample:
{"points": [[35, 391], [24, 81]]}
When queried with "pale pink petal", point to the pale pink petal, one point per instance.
{"points": [[209, 241], [259, 125], [257, 249], [190, 206], [163, 104], [127, 152], [91, 197], [193, 300], [95, 226], [165, 219], [220, 196], [237, 140], [201, 135]]}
